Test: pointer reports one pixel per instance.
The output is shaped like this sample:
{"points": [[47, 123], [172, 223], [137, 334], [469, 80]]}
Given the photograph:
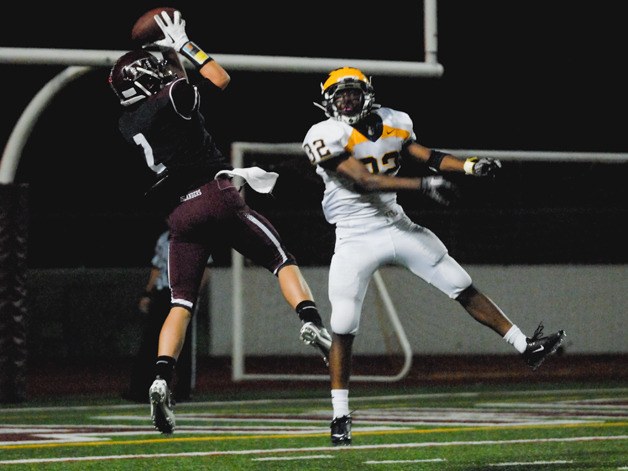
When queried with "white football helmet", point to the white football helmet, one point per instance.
{"points": [[348, 95]]}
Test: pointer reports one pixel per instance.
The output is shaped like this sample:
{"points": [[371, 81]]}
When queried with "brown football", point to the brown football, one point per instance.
{"points": [[145, 30]]}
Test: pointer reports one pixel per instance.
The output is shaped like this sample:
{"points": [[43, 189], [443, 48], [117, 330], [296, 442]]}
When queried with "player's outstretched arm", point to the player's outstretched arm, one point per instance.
{"points": [[435, 187], [214, 72], [175, 37], [443, 162]]}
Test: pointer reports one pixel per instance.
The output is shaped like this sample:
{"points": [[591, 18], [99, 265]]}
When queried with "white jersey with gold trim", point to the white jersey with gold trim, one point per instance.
{"points": [[380, 153]]}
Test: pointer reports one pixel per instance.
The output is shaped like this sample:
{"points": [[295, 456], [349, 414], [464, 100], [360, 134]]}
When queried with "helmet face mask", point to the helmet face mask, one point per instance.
{"points": [[347, 95], [138, 75]]}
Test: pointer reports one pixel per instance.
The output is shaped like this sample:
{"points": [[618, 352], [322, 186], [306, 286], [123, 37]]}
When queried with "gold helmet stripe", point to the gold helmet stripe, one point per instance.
{"points": [[339, 75]]}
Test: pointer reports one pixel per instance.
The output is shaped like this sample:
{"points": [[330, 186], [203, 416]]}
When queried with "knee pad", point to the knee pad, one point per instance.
{"points": [[450, 277]]}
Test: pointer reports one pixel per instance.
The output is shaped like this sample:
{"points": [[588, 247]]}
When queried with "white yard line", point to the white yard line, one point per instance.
{"points": [[312, 449], [187, 405]]}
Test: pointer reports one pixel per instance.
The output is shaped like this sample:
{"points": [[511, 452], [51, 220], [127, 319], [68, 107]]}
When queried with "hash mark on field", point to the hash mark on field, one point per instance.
{"points": [[294, 458], [433, 460], [531, 463]]}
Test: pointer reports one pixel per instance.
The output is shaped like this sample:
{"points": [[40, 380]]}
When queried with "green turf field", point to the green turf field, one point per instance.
{"points": [[540, 427]]}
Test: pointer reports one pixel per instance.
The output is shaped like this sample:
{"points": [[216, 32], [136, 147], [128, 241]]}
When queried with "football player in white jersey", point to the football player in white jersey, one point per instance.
{"points": [[357, 152]]}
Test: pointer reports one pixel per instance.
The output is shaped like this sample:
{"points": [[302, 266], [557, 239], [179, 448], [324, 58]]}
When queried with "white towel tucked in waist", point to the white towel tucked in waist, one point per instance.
{"points": [[257, 178]]}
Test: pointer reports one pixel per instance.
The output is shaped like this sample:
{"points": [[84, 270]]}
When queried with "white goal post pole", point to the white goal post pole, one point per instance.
{"points": [[540, 155], [399, 331], [430, 31], [25, 124]]}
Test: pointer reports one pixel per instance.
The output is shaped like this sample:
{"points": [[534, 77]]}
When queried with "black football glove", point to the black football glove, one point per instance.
{"points": [[439, 189], [482, 167]]}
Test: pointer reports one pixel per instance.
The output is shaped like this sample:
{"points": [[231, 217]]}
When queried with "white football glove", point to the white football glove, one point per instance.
{"points": [[173, 29], [439, 189]]}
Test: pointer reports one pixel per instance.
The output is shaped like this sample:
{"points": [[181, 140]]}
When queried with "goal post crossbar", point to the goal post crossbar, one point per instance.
{"points": [[235, 62]]}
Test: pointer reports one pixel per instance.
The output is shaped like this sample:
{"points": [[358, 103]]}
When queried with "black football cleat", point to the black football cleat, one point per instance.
{"points": [[341, 431], [539, 348]]}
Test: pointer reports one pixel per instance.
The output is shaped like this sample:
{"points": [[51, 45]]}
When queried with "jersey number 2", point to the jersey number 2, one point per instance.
{"points": [[140, 140]]}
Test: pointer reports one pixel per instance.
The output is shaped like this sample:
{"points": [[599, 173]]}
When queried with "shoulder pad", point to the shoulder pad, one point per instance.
{"points": [[326, 140], [397, 119]]}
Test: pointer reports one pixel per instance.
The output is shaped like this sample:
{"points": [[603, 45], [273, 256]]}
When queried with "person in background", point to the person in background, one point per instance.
{"points": [[358, 152], [161, 118], [154, 306]]}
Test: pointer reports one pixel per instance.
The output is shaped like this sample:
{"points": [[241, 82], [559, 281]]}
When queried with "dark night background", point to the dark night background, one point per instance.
{"points": [[532, 75]]}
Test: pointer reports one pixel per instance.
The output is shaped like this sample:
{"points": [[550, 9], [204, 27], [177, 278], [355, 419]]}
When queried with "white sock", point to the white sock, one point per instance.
{"points": [[340, 402], [515, 337]]}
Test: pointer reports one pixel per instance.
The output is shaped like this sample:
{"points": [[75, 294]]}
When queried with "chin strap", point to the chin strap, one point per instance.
{"points": [[318, 105]]}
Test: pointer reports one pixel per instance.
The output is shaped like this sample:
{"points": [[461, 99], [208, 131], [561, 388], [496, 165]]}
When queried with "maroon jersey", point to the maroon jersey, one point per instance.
{"points": [[204, 212], [169, 130]]}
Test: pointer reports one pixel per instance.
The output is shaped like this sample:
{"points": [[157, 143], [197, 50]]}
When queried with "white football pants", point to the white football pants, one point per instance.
{"points": [[362, 248]]}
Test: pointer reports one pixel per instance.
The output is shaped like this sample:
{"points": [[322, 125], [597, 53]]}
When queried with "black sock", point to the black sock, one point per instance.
{"points": [[308, 313], [164, 367]]}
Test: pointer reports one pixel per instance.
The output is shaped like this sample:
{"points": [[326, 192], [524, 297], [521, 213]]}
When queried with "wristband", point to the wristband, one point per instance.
{"points": [[198, 57], [436, 157], [469, 164]]}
